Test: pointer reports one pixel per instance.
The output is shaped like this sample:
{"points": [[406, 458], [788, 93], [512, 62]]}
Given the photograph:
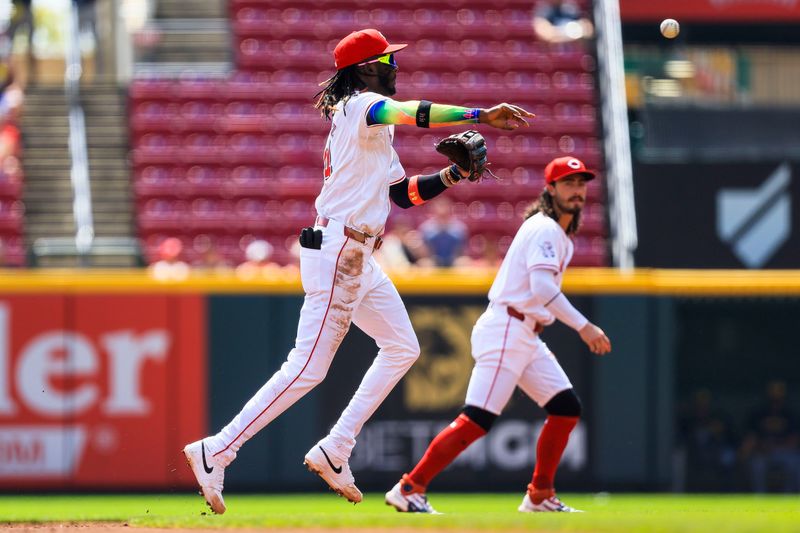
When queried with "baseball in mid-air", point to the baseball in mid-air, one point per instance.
{"points": [[670, 28]]}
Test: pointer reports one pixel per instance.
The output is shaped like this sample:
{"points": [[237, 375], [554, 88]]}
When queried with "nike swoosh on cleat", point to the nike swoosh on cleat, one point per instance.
{"points": [[337, 470], [205, 464]]}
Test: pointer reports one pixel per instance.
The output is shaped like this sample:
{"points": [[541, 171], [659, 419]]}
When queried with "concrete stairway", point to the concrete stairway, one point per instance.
{"points": [[193, 34], [105, 111], [194, 9], [47, 161]]}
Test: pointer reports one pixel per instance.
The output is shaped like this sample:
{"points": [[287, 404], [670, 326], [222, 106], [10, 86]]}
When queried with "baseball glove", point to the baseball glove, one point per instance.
{"points": [[467, 150]]}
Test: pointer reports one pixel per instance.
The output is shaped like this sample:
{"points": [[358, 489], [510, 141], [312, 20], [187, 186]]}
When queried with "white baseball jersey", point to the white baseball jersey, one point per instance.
{"points": [[539, 243], [356, 158], [507, 351], [343, 284]]}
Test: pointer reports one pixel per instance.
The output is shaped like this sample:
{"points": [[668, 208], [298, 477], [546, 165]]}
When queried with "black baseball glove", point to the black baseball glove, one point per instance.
{"points": [[467, 150]]}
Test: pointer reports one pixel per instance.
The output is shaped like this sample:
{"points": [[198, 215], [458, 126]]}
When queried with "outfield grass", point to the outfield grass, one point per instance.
{"points": [[618, 513]]}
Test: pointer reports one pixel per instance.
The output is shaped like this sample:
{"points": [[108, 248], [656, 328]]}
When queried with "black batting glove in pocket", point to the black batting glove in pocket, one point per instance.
{"points": [[311, 238]]}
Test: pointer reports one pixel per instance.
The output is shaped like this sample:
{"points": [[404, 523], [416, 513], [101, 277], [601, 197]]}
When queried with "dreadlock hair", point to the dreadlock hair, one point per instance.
{"points": [[544, 204], [340, 86]]}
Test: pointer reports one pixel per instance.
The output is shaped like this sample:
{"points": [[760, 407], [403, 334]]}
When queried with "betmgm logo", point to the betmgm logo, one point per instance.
{"points": [[756, 222]]}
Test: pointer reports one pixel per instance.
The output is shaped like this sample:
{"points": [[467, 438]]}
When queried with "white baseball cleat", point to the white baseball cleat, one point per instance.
{"points": [[336, 472], [209, 473], [547, 505], [408, 497]]}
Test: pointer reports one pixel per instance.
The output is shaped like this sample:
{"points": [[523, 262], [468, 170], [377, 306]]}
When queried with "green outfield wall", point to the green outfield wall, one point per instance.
{"points": [[101, 367]]}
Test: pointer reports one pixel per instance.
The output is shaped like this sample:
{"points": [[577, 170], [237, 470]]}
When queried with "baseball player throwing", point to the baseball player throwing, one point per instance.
{"points": [[341, 280], [525, 296]]}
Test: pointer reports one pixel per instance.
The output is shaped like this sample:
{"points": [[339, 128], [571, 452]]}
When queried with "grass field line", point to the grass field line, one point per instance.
{"points": [[321, 512]]}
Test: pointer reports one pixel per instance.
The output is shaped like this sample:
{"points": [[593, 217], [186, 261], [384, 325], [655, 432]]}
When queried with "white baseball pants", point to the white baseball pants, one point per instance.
{"points": [[343, 283], [508, 354]]}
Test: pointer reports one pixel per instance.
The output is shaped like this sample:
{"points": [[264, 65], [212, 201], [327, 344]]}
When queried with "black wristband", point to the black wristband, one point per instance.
{"points": [[424, 114]]}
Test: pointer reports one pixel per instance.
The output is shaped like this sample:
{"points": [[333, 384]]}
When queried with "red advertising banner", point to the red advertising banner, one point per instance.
{"points": [[100, 390], [739, 11]]}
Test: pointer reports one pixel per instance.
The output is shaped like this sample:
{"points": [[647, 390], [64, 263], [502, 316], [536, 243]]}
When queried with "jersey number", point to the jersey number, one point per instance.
{"points": [[326, 162]]}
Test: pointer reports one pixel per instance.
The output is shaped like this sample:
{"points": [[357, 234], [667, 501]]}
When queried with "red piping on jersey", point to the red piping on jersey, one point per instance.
{"points": [[500, 364], [544, 266], [310, 355], [395, 182]]}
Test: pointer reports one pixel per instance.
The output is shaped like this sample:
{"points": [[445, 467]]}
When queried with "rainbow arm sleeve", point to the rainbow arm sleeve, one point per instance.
{"points": [[390, 111]]}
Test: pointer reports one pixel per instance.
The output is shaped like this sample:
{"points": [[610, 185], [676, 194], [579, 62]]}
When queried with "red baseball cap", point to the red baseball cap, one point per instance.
{"points": [[361, 45], [562, 167]]}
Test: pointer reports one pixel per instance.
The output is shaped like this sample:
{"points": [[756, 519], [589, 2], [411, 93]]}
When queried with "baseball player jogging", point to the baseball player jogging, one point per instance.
{"points": [[341, 280], [525, 297]]}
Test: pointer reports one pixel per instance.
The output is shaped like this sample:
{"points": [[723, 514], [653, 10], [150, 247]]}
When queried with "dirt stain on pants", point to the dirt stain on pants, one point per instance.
{"points": [[345, 291]]}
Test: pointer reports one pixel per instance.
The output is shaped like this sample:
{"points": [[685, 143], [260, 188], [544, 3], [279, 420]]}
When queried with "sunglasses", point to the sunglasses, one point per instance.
{"points": [[387, 59]]}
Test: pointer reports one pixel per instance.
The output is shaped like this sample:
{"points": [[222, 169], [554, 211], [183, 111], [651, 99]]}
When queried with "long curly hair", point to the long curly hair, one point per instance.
{"points": [[545, 204], [340, 86]]}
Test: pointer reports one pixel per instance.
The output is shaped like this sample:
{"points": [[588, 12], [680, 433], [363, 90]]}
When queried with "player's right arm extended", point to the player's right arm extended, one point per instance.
{"points": [[420, 113]]}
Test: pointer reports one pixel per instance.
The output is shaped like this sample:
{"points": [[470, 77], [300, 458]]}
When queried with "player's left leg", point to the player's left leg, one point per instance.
{"points": [[546, 383], [409, 494], [380, 314], [501, 349]]}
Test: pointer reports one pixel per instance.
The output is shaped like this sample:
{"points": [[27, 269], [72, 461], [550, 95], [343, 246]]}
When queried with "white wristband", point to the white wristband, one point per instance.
{"points": [[566, 313]]}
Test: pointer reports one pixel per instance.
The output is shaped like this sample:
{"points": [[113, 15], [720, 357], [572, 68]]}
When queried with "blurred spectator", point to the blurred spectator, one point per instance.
{"points": [[443, 234], [22, 17], [257, 261], [402, 248], [213, 261], [707, 444], [3, 256], [11, 92], [170, 267], [561, 21], [489, 258], [772, 443], [11, 99], [87, 25]]}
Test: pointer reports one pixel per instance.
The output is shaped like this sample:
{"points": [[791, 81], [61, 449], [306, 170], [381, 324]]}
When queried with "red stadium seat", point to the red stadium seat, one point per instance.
{"points": [[211, 213], [154, 115], [11, 183], [201, 116], [142, 89], [163, 214], [231, 160], [204, 148], [13, 247], [156, 180]]}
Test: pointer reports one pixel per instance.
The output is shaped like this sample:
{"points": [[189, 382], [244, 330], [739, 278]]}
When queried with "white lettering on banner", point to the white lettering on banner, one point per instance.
{"points": [[57, 354], [127, 353], [36, 451], [7, 407], [502, 450], [71, 356], [396, 445]]}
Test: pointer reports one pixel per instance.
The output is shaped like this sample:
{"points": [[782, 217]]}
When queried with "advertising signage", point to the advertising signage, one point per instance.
{"points": [[99, 391]]}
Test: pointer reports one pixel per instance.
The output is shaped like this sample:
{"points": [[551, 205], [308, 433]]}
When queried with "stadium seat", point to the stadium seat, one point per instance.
{"points": [[226, 161]]}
